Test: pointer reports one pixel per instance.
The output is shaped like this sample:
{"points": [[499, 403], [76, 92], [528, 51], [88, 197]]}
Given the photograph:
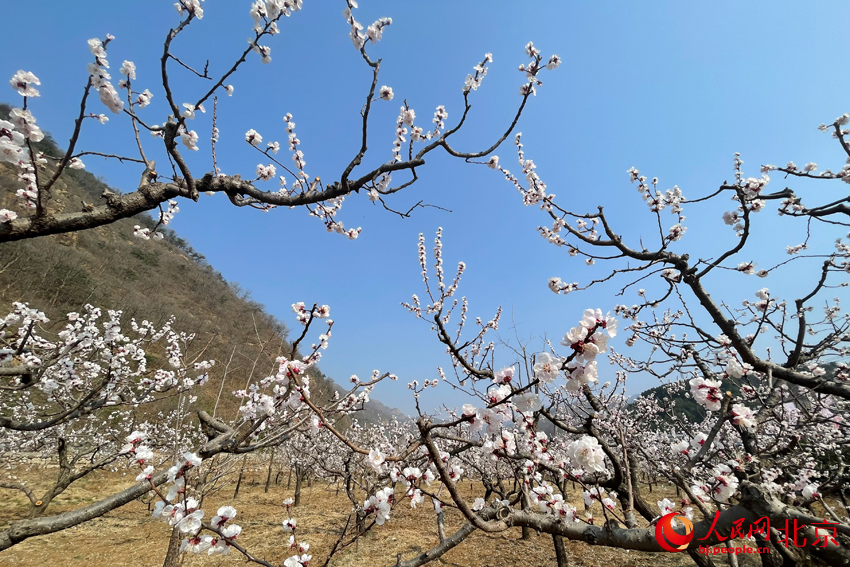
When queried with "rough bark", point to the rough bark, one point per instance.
{"points": [[560, 551], [438, 551], [24, 529], [150, 195], [756, 504], [172, 556], [299, 476], [524, 505]]}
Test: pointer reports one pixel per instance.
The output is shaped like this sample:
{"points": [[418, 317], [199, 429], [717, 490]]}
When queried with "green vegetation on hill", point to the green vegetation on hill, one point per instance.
{"points": [[680, 403], [154, 280], [678, 400]]}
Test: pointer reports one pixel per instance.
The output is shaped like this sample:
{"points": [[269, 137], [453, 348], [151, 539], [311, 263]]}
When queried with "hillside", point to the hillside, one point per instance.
{"points": [[680, 403], [109, 268]]}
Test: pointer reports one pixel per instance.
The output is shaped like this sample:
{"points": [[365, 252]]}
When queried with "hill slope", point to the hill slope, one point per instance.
{"points": [[109, 268], [678, 400]]}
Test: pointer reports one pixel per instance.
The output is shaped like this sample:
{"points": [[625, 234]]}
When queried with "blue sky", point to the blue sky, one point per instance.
{"points": [[673, 88]]}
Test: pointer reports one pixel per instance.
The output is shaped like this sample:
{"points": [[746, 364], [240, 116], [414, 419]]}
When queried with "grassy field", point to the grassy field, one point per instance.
{"points": [[130, 537]]}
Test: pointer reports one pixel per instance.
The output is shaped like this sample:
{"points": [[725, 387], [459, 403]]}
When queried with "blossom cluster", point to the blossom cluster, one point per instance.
{"points": [[15, 136], [374, 32]]}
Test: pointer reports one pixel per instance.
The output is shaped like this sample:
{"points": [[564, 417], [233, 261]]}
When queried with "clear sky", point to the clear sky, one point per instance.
{"points": [[673, 88]]}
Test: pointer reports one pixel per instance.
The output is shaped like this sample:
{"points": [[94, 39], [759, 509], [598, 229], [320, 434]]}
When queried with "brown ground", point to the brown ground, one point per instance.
{"points": [[130, 537]]}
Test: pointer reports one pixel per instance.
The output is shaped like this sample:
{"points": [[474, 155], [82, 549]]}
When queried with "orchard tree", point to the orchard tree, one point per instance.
{"points": [[74, 397], [772, 452], [78, 400], [174, 134], [765, 465], [764, 462], [50, 411]]}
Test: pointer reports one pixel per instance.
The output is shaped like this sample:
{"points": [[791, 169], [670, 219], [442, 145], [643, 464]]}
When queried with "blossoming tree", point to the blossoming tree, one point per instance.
{"points": [[159, 187], [764, 460], [764, 464]]}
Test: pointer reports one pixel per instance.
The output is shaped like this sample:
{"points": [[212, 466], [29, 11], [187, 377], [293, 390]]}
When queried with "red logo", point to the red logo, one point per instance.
{"points": [[669, 539]]}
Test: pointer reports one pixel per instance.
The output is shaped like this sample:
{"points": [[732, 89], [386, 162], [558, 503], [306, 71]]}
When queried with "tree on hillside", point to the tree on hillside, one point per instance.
{"points": [[762, 464]]}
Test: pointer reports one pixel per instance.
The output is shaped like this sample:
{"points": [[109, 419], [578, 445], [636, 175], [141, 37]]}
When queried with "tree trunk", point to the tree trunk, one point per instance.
{"points": [[239, 480], [39, 509], [773, 558], [298, 478], [732, 557], [524, 505], [173, 553], [560, 551], [289, 479], [269, 476]]}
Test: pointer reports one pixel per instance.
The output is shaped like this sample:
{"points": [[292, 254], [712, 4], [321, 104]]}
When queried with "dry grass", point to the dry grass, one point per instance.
{"points": [[130, 537]]}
